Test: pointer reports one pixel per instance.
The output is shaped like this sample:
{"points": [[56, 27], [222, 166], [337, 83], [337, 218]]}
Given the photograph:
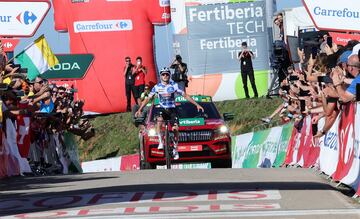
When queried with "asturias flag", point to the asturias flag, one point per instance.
{"points": [[37, 58]]}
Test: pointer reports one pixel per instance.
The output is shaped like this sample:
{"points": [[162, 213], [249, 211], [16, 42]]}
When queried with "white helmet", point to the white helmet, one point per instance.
{"points": [[165, 70]]}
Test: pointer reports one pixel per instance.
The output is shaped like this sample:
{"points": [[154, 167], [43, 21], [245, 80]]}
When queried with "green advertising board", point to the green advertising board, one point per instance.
{"points": [[192, 122], [71, 66]]}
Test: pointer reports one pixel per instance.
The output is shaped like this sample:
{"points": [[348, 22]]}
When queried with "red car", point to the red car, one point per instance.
{"points": [[203, 137]]}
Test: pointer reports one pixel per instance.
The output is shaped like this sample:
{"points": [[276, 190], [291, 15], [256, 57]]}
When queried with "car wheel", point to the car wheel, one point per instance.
{"points": [[221, 164]]}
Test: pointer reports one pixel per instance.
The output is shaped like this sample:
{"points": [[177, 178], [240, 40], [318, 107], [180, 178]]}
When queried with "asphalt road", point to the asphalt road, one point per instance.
{"points": [[218, 193]]}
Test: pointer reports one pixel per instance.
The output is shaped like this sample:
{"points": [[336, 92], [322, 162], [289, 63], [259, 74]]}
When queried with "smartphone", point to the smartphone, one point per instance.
{"points": [[357, 92], [16, 65], [293, 78], [314, 51], [314, 129], [325, 79], [4, 86], [329, 41], [302, 105]]}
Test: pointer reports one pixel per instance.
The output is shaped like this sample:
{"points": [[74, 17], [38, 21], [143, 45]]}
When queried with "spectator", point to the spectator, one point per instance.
{"points": [[42, 98], [145, 94], [245, 58], [129, 83], [139, 72], [180, 72], [353, 66]]}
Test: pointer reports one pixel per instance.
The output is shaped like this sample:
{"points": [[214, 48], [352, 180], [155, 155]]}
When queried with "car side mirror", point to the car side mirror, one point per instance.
{"points": [[228, 116]]}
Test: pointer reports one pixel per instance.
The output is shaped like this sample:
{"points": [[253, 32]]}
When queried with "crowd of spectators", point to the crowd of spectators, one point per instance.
{"points": [[52, 110], [323, 81]]}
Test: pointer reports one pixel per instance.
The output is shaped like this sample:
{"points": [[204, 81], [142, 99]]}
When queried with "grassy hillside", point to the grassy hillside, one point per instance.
{"points": [[116, 135]]}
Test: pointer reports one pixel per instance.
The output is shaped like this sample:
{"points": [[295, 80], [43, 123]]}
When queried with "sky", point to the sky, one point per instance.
{"points": [[59, 42]]}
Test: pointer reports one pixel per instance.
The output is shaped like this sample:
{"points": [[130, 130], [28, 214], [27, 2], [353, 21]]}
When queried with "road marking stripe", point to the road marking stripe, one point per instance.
{"points": [[237, 214]]}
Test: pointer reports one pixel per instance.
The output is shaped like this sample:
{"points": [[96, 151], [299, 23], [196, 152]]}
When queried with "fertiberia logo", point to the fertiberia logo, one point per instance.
{"points": [[26, 17]]}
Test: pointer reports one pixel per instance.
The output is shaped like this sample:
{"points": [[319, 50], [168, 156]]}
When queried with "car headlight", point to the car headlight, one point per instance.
{"points": [[152, 132], [224, 129]]}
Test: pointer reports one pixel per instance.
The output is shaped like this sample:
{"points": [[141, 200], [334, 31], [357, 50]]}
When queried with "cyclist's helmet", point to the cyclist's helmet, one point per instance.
{"points": [[165, 70]]}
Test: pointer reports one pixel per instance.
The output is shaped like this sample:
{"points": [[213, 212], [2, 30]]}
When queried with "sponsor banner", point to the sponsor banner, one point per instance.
{"points": [[192, 122], [343, 38], [283, 143], [130, 162], [291, 147], [23, 135], [16, 164], [184, 166], [352, 178], [239, 146], [9, 44], [110, 37], [72, 151], [270, 148], [216, 31], [329, 148], [254, 148], [72, 66], [346, 141], [334, 15], [22, 18], [310, 153], [111, 164]]}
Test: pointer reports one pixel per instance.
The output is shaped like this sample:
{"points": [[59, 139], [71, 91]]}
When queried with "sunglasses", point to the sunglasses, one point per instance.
{"points": [[40, 82], [127, 60], [165, 74]]}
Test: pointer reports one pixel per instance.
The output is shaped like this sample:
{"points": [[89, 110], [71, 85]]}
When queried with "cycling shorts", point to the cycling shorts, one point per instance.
{"points": [[169, 114]]}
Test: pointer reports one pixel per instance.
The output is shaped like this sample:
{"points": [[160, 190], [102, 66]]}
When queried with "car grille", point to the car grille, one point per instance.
{"points": [[189, 136]]}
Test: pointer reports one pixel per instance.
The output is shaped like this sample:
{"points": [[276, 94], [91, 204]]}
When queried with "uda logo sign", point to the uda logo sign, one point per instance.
{"points": [[26, 17]]}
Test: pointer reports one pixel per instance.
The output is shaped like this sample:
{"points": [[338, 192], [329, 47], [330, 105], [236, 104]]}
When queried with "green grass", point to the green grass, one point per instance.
{"points": [[116, 135]]}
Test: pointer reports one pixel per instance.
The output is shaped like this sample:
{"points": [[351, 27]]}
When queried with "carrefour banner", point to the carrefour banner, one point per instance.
{"points": [[216, 31]]}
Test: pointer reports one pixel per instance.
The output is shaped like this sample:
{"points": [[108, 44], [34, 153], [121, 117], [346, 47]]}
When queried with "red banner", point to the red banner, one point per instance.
{"points": [[23, 133], [343, 38], [291, 147], [130, 162], [111, 31], [346, 142]]}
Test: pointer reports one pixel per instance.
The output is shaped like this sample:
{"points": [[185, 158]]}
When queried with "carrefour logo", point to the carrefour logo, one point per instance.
{"points": [[26, 17], [103, 26]]}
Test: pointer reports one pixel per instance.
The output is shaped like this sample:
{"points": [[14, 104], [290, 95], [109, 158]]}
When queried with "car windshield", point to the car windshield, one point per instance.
{"points": [[188, 110]]}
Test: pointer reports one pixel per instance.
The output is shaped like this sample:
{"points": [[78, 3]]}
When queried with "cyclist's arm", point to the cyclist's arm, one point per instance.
{"points": [[191, 100], [144, 103], [147, 100]]}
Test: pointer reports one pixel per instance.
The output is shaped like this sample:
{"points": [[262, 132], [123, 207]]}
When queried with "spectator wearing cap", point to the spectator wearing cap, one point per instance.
{"points": [[180, 72], [245, 58], [139, 72], [129, 83], [353, 67]]}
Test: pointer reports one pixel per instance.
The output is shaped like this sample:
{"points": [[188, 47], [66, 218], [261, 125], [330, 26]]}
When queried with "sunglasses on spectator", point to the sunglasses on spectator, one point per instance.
{"points": [[39, 82], [128, 60]]}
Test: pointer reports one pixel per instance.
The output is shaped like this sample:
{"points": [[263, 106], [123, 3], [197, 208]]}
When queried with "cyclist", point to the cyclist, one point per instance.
{"points": [[166, 91]]}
